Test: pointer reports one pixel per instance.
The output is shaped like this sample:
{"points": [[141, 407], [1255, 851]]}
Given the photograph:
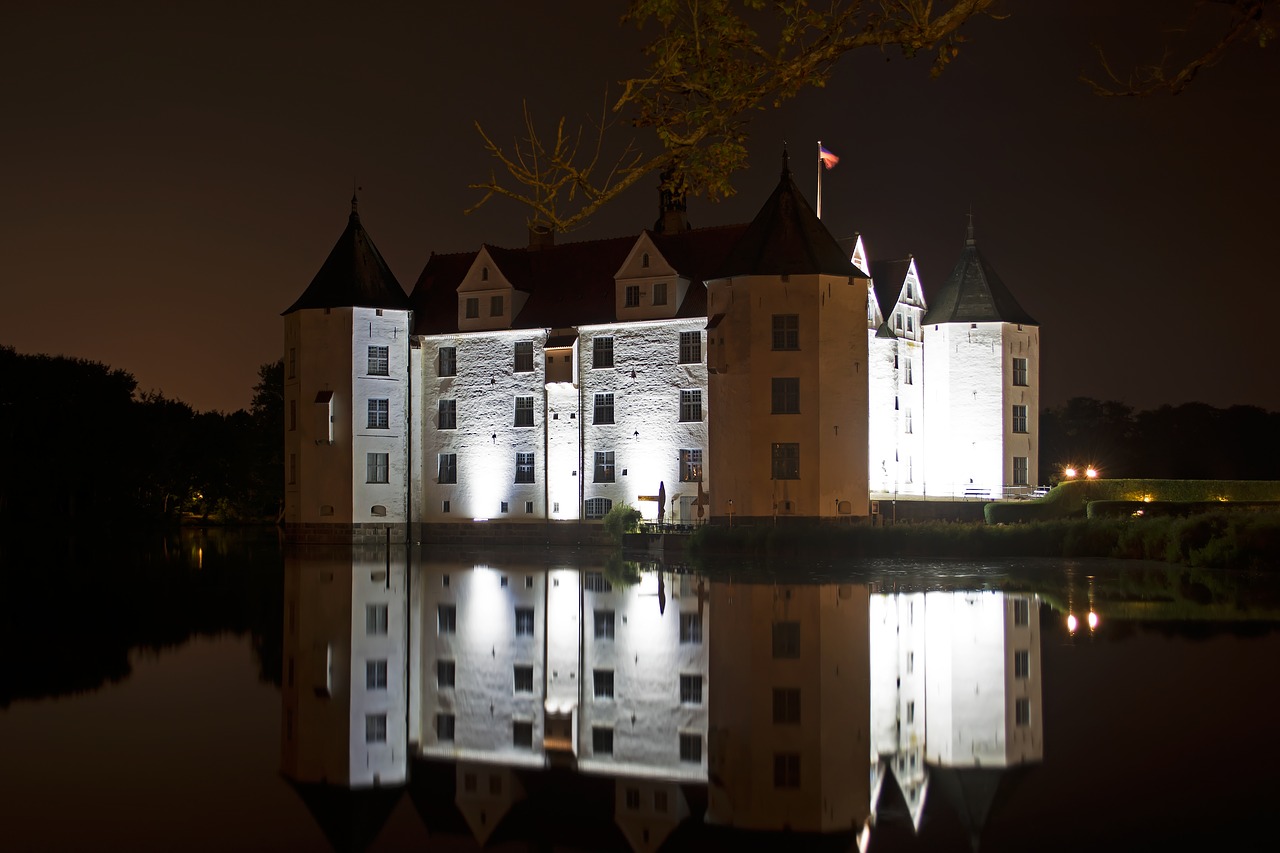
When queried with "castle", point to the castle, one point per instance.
{"points": [[702, 375]]}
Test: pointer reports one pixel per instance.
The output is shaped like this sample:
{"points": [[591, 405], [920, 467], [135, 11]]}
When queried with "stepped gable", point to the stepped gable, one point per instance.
{"points": [[354, 275], [973, 293], [787, 238], [886, 279]]}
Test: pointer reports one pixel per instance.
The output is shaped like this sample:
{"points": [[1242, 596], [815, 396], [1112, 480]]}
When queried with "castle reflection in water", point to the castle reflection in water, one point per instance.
{"points": [[518, 700]]}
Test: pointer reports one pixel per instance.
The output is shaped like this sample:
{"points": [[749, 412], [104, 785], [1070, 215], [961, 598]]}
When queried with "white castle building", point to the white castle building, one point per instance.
{"points": [[744, 371]]}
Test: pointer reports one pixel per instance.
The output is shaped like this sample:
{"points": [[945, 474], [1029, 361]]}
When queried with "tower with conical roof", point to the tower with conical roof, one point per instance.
{"points": [[982, 384], [347, 403], [787, 364]]}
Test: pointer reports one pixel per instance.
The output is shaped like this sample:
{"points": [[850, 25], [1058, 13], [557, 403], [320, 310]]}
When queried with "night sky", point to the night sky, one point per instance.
{"points": [[175, 175]]}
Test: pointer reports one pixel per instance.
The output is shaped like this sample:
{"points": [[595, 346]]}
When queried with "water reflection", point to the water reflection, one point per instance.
{"points": [[532, 702]]}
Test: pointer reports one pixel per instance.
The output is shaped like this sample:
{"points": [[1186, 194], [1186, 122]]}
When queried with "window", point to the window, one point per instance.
{"points": [[786, 395], [786, 770], [691, 689], [1021, 612], [786, 639], [375, 728], [448, 472], [690, 628], [691, 747], [375, 465], [1019, 418], [503, 507], [379, 361], [522, 734], [691, 405], [897, 322], [602, 682], [524, 411], [524, 467], [448, 361], [1020, 471], [906, 372], [786, 706], [446, 619], [909, 289], [446, 673], [911, 712], [375, 620], [786, 331], [601, 353], [524, 679], [603, 409], [601, 740], [786, 461], [598, 507], [523, 357], [448, 415], [595, 582], [1022, 664], [528, 507], [495, 306], [633, 799], [444, 727], [691, 347], [524, 621], [911, 662], [911, 323], [632, 296], [907, 424], [660, 293], [604, 466], [379, 414], [603, 620], [1022, 712], [1019, 371], [375, 675], [691, 466], [293, 468], [660, 801], [473, 307]]}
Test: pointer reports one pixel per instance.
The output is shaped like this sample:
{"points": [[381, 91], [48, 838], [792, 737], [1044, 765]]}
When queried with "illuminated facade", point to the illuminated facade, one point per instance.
{"points": [[692, 373]]}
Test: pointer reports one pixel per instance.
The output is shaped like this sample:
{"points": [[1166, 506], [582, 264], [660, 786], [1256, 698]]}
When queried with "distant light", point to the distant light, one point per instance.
{"points": [[1072, 623], [1091, 473], [1069, 472], [479, 519], [1147, 498], [1093, 620]]}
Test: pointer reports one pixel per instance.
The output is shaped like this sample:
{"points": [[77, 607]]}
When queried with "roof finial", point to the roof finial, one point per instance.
{"points": [[354, 199], [786, 159], [968, 240]]}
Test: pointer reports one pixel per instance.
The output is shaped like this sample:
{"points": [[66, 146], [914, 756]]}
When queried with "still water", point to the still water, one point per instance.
{"points": [[215, 692]]}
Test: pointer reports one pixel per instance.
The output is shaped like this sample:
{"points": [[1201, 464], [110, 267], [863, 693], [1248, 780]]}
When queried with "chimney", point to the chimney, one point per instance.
{"points": [[672, 208], [541, 236]]}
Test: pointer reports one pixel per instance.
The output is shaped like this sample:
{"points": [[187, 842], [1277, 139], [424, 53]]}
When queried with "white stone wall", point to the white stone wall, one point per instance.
{"points": [[964, 389], [564, 440], [377, 582]]}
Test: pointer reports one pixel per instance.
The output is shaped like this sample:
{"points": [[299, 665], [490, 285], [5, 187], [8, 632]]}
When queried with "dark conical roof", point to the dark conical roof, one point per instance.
{"points": [[787, 238], [973, 293], [354, 275]]}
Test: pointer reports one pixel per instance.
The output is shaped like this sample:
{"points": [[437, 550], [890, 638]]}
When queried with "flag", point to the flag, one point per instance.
{"points": [[828, 159]]}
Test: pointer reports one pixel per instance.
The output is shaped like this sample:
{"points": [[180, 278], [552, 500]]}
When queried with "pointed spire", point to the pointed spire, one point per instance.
{"points": [[786, 161], [968, 240]]}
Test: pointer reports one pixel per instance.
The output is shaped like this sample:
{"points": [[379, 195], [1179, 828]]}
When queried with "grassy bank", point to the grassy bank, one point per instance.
{"points": [[1167, 497], [1220, 540]]}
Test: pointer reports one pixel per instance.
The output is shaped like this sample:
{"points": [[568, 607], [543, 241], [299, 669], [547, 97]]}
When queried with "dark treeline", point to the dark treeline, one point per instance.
{"points": [[1193, 441], [80, 446]]}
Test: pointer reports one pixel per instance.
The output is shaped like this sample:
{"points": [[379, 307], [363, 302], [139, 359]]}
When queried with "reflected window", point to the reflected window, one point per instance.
{"points": [[444, 727], [1022, 712], [1022, 664], [786, 639], [1021, 611], [602, 679], [446, 619], [375, 675], [446, 673], [522, 734], [633, 799], [690, 628], [691, 689], [660, 801], [595, 582], [603, 624], [375, 728], [375, 619], [524, 621], [601, 740], [786, 770], [691, 747], [786, 706], [911, 712], [524, 679]]}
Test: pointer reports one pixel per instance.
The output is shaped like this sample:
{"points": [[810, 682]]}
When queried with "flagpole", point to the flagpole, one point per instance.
{"points": [[819, 165]]}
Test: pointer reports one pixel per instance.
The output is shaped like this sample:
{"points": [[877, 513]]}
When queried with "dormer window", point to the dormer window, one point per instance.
{"points": [[644, 260], [897, 322], [910, 290], [495, 306], [633, 296], [473, 307], [484, 273], [910, 323]]}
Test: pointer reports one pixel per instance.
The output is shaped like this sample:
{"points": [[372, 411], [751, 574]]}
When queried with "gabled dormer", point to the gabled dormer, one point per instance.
{"points": [[859, 255], [487, 298], [896, 285], [647, 286]]}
